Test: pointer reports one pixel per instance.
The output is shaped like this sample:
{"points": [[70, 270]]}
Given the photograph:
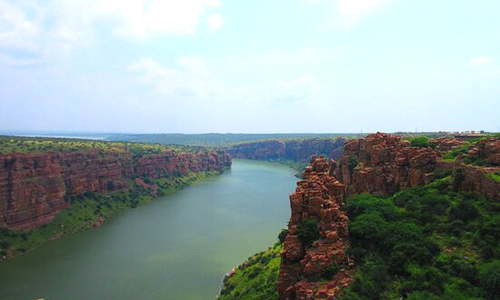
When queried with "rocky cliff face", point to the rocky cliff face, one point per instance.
{"points": [[322, 269], [383, 164], [33, 186], [288, 150]]}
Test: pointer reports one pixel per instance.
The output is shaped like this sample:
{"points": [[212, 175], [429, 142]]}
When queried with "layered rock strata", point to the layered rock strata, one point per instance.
{"points": [[33, 186], [383, 164], [295, 150], [320, 270]]}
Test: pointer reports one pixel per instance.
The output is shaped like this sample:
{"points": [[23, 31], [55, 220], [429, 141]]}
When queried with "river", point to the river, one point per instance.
{"points": [[176, 248]]}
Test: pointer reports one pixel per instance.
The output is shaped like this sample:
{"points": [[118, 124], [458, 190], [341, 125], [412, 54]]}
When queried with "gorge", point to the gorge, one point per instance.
{"points": [[177, 247], [430, 189]]}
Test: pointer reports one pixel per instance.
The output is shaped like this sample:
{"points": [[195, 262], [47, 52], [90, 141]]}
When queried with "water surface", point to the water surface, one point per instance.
{"points": [[175, 248]]}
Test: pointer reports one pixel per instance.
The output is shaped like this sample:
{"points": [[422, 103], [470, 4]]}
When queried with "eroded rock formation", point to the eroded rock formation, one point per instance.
{"points": [[322, 269], [383, 164], [289, 150], [33, 186]]}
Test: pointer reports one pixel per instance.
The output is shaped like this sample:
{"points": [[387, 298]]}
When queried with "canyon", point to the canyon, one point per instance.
{"points": [[33, 186], [380, 164], [294, 150]]}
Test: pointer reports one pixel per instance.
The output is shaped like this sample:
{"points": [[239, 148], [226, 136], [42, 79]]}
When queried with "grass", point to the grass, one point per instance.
{"points": [[494, 175], [89, 208], [255, 279]]}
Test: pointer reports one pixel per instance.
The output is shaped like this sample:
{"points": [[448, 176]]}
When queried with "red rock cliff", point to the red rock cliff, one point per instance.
{"points": [[319, 197], [33, 186], [289, 150], [383, 164]]}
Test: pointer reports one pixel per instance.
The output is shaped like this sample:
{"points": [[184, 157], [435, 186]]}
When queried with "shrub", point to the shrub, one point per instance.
{"points": [[420, 142], [282, 235], [489, 275], [308, 232]]}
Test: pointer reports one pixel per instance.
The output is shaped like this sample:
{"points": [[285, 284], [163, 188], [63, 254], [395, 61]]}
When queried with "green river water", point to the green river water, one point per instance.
{"points": [[176, 248]]}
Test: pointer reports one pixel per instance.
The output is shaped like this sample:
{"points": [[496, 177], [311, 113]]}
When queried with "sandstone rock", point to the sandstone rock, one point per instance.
{"points": [[33, 186], [383, 164], [445, 144], [320, 197]]}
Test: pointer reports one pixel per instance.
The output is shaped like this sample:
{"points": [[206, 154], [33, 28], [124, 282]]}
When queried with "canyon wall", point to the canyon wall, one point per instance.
{"points": [[33, 186], [322, 269], [295, 150], [383, 164]]}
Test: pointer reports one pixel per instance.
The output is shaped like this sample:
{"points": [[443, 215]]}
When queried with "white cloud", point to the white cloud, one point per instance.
{"points": [[144, 18], [33, 32], [212, 2], [351, 11], [214, 21], [190, 78], [303, 88], [481, 60], [304, 81], [16, 31]]}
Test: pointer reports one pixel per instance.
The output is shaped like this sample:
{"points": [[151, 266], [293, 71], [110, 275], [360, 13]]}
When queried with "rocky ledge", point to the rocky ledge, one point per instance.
{"points": [[321, 269], [384, 164], [33, 186]]}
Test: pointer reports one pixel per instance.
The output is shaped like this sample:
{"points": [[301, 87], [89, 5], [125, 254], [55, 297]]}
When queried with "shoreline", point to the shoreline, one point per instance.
{"points": [[65, 217]]}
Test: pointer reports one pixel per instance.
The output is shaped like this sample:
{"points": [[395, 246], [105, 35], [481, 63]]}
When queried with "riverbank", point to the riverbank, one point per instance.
{"points": [[178, 247], [91, 210]]}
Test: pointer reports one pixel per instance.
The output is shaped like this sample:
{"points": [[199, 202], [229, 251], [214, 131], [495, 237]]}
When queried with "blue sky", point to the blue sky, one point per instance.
{"points": [[196, 66]]}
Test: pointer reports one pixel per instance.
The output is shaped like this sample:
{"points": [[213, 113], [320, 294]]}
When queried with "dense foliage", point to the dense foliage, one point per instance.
{"points": [[255, 279], [89, 208], [425, 243]]}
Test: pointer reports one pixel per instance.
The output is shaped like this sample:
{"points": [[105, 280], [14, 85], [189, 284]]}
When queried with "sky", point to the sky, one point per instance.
{"points": [[260, 66]]}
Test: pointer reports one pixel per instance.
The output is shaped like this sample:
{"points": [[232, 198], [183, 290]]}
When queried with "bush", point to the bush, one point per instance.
{"points": [[420, 142], [489, 274], [282, 235], [308, 232]]}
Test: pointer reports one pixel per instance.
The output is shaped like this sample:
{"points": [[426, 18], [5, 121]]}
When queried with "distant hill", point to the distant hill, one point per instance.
{"points": [[219, 139]]}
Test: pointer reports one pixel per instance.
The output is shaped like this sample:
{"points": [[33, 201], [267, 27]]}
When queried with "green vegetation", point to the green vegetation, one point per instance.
{"points": [[420, 142], [494, 175], [425, 243], [453, 154], [255, 279], [221, 140], [308, 232], [10, 144], [89, 208]]}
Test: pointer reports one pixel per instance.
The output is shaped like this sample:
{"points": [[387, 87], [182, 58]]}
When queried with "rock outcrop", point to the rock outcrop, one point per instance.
{"points": [[295, 150], [383, 164], [319, 198], [487, 151], [444, 144], [33, 186]]}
